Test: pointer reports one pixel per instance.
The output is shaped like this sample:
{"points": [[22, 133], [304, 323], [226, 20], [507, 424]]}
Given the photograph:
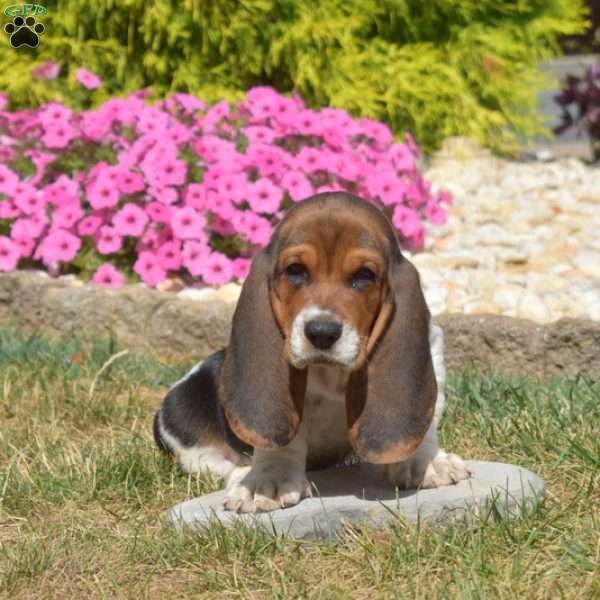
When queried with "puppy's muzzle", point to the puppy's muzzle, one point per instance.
{"points": [[323, 334]]}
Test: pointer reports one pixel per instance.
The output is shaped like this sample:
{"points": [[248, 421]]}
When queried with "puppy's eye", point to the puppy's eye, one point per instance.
{"points": [[363, 278], [297, 273]]}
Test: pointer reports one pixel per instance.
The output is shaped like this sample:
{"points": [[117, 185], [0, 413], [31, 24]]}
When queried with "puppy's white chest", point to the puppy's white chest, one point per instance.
{"points": [[324, 415]]}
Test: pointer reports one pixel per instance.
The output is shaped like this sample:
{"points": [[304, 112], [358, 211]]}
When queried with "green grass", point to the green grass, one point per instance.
{"points": [[83, 493]]}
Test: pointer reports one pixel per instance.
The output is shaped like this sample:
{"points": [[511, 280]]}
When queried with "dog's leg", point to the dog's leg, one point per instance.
{"points": [[430, 466], [276, 479]]}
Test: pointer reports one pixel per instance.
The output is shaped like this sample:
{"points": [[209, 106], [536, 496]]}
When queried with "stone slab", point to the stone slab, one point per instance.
{"points": [[359, 494]]}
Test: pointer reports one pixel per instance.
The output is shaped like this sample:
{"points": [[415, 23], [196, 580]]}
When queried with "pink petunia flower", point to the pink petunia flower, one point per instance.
{"points": [[160, 213], [89, 225], [30, 227], [29, 199], [108, 240], [216, 269], [163, 193], [406, 221], [241, 267], [213, 149], [380, 133], [66, 216], [147, 266], [435, 213], [187, 223], [195, 196], [130, 220], [151, 119], [297, 185], [58, 135], [264, 196], [193, 255], [171, 172], [169, 255], [8, 210], [214, 115], [47, 70], [262, 101], [59, 246], [107, 276], [308, 122], [219, 205], [259, 135], [233, 187], [54, 113], [269, 160], [178, 133], [189, 103], [102, 193], [8, 180], [129, 182], [88, 79], [402, 157], [445, 198], [256, 229], [9, 254], [346, 167], [25, 245], [311, 160], [389, 188], [64, 186]]}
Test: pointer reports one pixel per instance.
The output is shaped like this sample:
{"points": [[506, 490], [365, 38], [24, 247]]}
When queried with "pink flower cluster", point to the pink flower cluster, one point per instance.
{"points": [[193, 190]]}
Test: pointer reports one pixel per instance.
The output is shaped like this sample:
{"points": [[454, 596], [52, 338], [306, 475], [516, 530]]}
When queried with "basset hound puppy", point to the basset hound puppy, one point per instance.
{"points": [[332, 354]]}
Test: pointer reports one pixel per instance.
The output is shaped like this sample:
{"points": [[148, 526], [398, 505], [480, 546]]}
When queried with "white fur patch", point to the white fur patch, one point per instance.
{"points": [[196, 459], [344, 351]]}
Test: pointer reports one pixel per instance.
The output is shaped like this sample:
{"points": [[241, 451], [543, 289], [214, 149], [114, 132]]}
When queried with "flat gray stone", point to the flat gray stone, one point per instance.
{"points": [[359, 494]]}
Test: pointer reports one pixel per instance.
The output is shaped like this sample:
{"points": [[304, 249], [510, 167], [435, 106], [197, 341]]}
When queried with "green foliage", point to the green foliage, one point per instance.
{"points": [[436, 68]]}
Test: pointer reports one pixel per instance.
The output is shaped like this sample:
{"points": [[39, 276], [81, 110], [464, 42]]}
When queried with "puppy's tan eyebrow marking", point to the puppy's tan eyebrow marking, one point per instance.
{"points": [[295, 239], [366, 240]]}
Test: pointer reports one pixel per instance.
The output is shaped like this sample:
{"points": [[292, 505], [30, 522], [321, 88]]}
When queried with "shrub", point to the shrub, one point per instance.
{"points": [[436, 68], [184, 187]]}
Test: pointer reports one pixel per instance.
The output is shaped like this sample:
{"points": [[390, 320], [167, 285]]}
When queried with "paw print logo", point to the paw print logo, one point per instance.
{"points": [[24, 32]]}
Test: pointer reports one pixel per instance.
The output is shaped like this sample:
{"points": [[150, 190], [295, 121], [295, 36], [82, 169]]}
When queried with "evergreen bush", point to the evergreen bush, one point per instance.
{"points": [[435, 68]]}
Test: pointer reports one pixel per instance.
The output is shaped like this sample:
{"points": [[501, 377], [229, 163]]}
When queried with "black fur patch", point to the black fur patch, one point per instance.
{"points": [[192, 413]]}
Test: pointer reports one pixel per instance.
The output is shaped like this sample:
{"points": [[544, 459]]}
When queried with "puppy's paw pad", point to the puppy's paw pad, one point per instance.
{"points": [[445, 469], [264, 494]]}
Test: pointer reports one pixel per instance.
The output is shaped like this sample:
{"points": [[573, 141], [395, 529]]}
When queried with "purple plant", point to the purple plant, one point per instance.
{"points": [[584, 93]]}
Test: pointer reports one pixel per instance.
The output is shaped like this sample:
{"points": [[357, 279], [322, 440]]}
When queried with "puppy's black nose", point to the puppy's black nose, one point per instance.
{"points": [[323, 334]]}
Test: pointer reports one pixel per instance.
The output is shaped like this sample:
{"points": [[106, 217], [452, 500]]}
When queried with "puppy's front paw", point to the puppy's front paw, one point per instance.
{"points": [[443, 469], [254, 489]]}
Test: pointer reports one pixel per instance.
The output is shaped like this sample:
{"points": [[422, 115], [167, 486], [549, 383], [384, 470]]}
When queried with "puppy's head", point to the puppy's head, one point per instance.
{"points": [[330, 278], [332, 288]]}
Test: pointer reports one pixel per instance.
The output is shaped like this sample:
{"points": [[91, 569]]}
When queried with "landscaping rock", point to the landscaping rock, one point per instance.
{"points": [[359, 495], [168, 325]]}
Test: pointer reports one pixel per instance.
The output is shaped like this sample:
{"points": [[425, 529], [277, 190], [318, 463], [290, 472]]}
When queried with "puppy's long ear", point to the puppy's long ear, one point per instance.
{"points": [[261, 393], [391, 401]]}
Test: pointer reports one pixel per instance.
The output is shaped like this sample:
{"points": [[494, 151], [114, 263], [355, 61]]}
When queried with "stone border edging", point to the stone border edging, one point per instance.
{"points": [[167, 326]]}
